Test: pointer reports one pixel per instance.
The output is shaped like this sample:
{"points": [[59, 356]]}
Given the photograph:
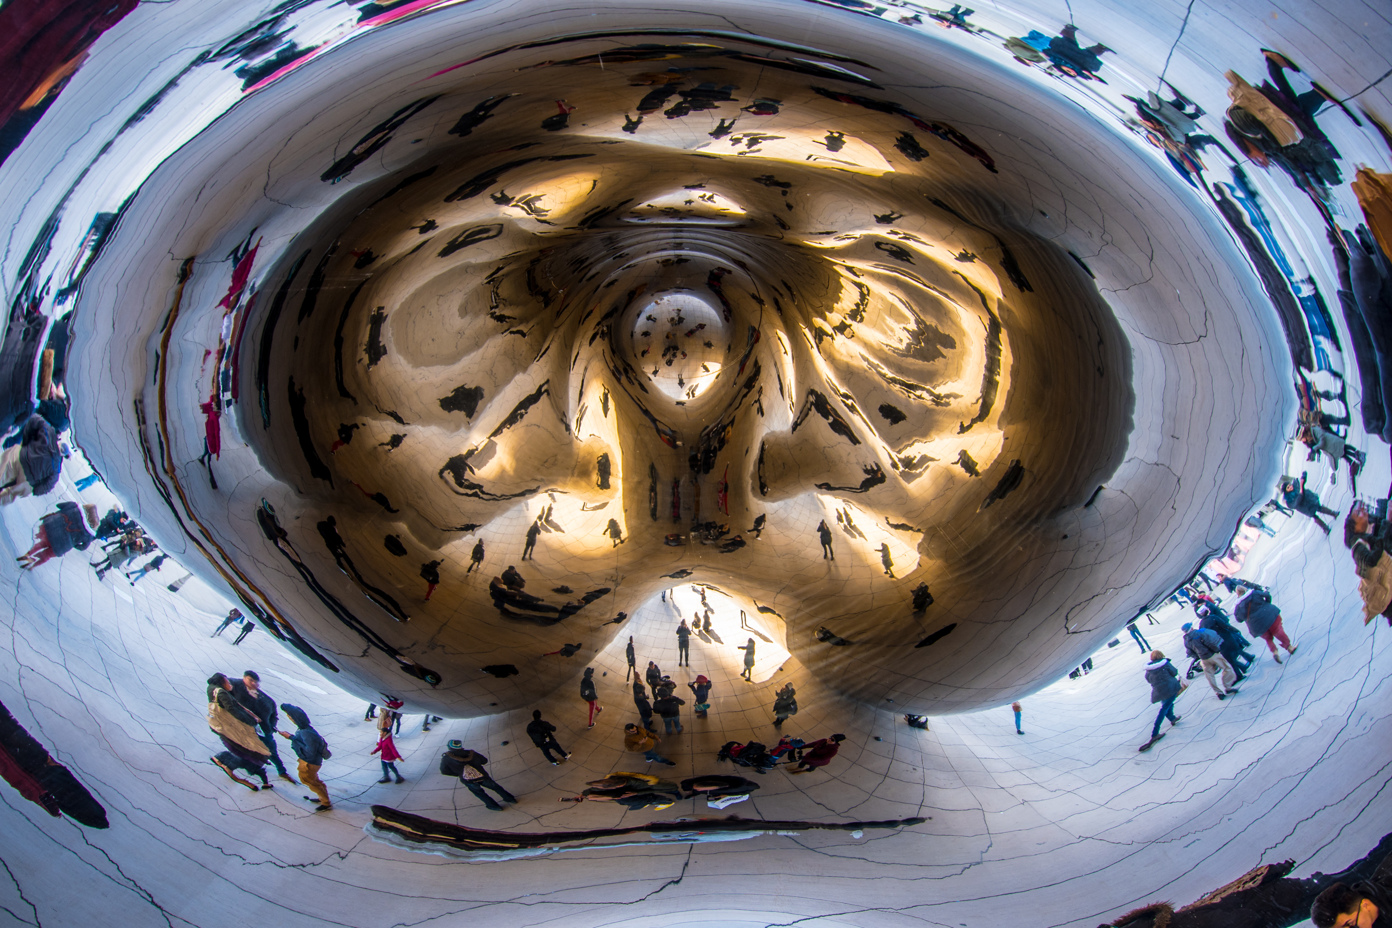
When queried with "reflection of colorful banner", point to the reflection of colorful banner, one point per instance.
{"points": [[347, 31], [1228, 565]]}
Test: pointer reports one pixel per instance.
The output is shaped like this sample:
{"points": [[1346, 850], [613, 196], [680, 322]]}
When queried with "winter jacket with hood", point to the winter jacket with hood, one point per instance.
{"points": [[587, 687], [230, 719], [308, 744], [1256, 610], [1201, 644], [1163, 680]]}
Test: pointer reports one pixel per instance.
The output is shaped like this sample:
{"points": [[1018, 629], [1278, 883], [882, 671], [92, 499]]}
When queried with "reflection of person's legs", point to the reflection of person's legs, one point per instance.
{"points": [[1017, 719], [1277, 632], [1210, 667], [1229, 673], [1138, 637], [476, 787], [248, 627], [496, 787], [594, 708], [309, 776], [1166, 711], [269, 742]]}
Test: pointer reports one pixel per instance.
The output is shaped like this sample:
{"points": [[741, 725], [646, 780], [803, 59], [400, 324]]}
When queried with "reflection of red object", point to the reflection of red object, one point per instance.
{"points": [[212, 434], [39, 37]]}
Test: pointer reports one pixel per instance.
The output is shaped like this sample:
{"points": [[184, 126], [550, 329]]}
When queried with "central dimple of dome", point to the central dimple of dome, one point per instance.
{"points": [[680, 341]]}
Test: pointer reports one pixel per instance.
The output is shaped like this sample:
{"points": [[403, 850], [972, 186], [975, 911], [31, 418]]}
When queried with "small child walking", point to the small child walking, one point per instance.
{"points": [[386, 747]]}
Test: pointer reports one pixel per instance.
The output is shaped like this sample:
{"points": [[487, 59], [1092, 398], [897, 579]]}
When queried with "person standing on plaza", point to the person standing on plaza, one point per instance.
{"points": [[590, 695], [748, 650], [784, 705], [1137, 636], [640, 702], [1015, 707], [474, 776], [669, 707], [248, 692], [683, 644], [386, 747], [701, 690], [632, 661]]}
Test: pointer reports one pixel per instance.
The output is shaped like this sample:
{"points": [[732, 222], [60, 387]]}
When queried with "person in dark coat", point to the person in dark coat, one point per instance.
{"points": [[784, 704], [1206, 647], [247, 691], [588, 693], [669, 707], [653, 675], [1306, 502], [819, 753], [683, 644], [32, 466], [632, 660], [1365, 904], [543, 735], [1164, 689], [1234, 642], [748, 650], [58, 532], [476, 778], [1263, 620], [312, 750], [235, 725], [640, 702]]}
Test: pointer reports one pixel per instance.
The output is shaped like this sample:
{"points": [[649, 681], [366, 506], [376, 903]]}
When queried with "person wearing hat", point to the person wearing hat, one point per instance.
{"points": [[819, 753], [642, 741], [312, 750], [475, 777], [1234, 643], [701, 690], [1206, 647]]}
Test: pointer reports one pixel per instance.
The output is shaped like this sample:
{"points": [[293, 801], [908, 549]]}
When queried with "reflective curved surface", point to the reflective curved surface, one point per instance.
{"points": [[921, 349]]}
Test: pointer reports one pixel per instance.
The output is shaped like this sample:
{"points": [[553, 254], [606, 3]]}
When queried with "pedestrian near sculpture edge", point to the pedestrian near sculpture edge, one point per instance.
{"points": [[248, 692], [477, 779], [543, 735], [1206, 647], [1015, 707]]}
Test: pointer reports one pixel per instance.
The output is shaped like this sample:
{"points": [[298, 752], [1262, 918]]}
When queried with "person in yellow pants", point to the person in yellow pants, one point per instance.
{"points": [[312, 750]]}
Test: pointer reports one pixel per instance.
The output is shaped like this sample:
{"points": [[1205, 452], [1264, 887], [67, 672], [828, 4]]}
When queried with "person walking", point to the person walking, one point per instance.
{"points": [[824, 534], [1206, 647], [683, 644], [669, 706], [476, 556], [588, 693], [632, 661], [312, 750], [235, 725], [1263, 620], [1234, 643], [476, 778], [386, 747], [653, 675], [1137, 637], [819, 753], [233, 617], [248, 692], [543, 735], [887, 560], [1164, 689], [248, 626], [532, 535], [1015, 707], [642, 741], [701, 690], [784, 705], [1306, 502], [748, 650], [640, 702]]}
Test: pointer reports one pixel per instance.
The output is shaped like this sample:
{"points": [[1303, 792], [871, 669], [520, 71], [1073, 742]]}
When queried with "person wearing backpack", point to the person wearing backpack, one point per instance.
{"points": [[784, 705], [312, 750], [470, 766], [1206, 647]]}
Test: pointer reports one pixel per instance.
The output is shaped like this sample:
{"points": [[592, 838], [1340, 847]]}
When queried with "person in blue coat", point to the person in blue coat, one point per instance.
{"points": [[1164, 689]]}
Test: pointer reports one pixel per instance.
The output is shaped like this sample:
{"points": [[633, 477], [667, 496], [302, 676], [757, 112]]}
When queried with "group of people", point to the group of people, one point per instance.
{"points": [[1219, 649], [244, 719]]}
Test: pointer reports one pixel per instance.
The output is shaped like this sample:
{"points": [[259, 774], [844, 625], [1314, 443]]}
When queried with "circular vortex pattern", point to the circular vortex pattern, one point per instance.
{"points": [[540, 332]]}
